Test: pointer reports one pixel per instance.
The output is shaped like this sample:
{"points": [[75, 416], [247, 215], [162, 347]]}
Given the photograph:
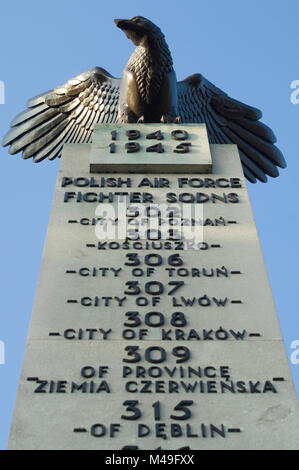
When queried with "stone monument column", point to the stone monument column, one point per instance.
{"points": [[160, 332]]}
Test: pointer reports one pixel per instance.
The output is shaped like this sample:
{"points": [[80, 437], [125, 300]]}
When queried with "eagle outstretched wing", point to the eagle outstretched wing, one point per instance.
{"points": [[67, 115], [231, 122], [64, 115]]}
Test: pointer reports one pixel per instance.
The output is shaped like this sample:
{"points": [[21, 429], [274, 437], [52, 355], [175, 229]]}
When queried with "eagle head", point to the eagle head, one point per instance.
{"points": [[139, 29]]}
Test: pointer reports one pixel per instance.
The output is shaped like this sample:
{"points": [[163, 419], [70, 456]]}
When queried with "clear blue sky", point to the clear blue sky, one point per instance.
{"points": [[247, 48]]}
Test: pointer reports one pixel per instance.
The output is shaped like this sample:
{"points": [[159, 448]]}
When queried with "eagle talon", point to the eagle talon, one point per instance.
{"points": [[167, 118]]}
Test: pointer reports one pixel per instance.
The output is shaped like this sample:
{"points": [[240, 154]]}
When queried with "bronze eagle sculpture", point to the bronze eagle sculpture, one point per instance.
{"points": [[147, 92]]}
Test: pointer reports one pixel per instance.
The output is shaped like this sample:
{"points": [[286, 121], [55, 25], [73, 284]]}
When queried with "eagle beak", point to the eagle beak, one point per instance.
{"points": [[122, 24]]}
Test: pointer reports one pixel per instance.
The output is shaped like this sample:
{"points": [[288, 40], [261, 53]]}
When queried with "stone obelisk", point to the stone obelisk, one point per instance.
{"points": [[153, 324]]}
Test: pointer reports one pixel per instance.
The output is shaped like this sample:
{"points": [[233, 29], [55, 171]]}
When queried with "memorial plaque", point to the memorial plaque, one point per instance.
{"points": [[153, 325], [119, 148]]}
